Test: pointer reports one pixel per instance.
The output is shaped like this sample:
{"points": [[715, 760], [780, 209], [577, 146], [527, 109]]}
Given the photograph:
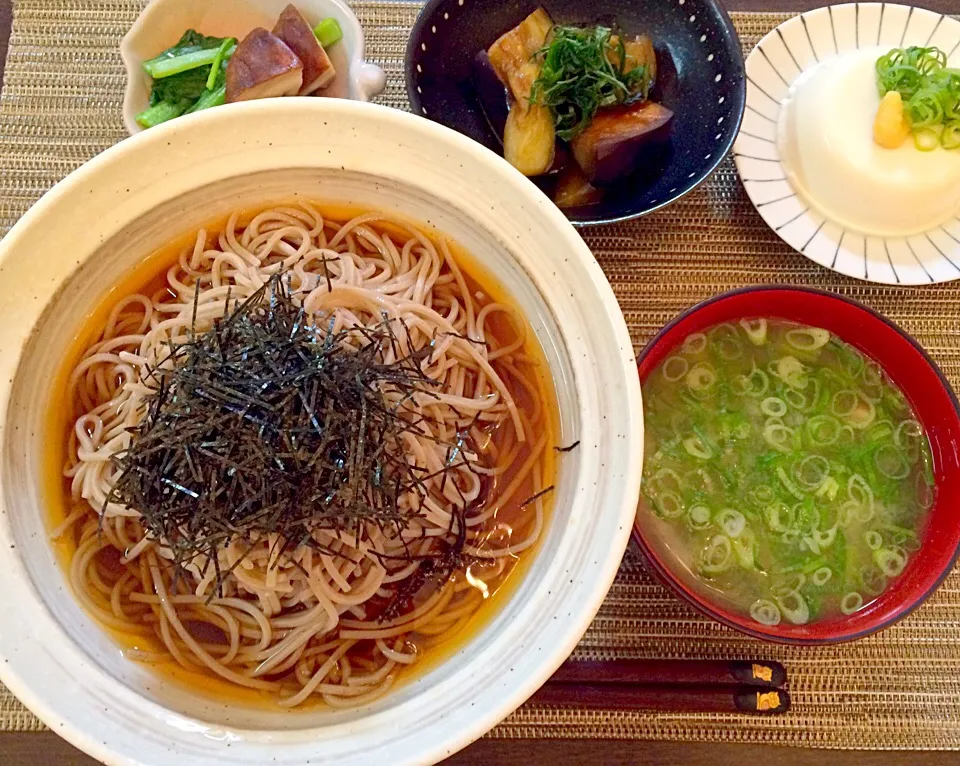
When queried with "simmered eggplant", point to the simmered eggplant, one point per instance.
{"points": [[528, 139], [574, 188], [612, 145], [639, 52], [512, 55]]}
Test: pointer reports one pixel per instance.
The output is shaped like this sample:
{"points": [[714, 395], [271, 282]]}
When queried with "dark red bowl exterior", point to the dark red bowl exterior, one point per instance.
{"points": [[931, 397]]}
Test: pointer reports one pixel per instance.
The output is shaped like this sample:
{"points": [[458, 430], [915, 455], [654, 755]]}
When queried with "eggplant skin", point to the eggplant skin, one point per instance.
{"points": [[611, 147], [491, 93]]}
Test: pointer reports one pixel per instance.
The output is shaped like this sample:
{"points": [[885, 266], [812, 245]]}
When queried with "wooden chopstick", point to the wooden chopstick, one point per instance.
{"points": [[704, 672], [663, 697], [703, 686]]}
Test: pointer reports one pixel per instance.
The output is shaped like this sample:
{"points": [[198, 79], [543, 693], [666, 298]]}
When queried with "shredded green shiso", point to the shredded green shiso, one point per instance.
{"points": [[790, 472], [930, 91], [577, 77]]}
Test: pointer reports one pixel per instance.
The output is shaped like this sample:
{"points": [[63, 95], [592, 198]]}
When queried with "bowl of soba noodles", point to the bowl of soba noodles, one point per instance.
{"points": [[801, 465], [322, 438]]}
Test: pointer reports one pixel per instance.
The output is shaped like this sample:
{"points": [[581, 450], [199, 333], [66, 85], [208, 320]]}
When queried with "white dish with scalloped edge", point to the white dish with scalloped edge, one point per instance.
{"points": [[163, 22]]}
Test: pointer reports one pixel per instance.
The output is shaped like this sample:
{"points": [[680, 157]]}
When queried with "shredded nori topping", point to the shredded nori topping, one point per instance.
{"points": [[267, 423]]}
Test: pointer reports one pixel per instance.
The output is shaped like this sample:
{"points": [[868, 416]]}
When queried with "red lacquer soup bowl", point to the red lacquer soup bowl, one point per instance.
{"points": [[935, 404]]}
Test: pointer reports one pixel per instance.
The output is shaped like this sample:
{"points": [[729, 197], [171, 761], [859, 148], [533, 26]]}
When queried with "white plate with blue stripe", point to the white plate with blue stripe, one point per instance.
{"points": [[793, 48]]}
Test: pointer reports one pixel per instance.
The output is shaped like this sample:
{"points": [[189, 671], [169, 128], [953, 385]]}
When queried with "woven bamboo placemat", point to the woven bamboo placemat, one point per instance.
{"points": [[901, 689]]}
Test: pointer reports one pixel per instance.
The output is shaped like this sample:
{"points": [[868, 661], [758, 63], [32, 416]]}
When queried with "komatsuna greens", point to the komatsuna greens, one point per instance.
{"points": [[187, 77]]}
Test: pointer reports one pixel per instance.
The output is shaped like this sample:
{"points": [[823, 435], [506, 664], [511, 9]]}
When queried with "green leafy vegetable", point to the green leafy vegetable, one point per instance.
{"points": [[583, 70], [225, 50], [161, 112], [191, 51], [328, 32], [180, 84], [186, 86], [930, 92]]}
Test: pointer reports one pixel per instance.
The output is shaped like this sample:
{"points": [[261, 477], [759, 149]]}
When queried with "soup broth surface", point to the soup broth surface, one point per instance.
{"points": [[786, 476]]}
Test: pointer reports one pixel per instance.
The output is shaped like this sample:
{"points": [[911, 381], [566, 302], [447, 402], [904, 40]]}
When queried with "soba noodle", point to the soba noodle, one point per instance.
{"points": [[310, 625]]}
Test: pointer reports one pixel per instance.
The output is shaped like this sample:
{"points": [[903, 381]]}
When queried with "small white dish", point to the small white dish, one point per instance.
{"points": [[791, 50], [163, 22]]}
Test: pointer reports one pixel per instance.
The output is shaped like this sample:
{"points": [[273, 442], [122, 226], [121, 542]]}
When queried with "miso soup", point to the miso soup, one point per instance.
{"points": [[786, 476]]}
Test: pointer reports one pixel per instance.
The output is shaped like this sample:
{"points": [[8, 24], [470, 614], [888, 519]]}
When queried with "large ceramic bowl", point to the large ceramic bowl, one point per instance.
{"points": [[162, 23], [700, 77], [61, 258], [936, 407]]}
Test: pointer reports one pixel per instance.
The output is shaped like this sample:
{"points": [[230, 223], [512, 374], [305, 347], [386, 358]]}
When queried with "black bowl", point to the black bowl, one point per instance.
{"points": [[701, 79]]}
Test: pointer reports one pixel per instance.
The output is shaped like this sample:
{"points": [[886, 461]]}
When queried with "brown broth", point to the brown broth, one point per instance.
{"points": [[150, 277]]}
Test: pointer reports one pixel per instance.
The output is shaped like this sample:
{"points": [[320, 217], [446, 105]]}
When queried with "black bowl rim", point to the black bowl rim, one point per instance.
{"points": [[739, 71], [670, 580]]}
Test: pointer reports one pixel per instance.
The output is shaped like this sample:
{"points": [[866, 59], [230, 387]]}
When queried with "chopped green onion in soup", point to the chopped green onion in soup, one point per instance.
{"points": [[786, 476]]}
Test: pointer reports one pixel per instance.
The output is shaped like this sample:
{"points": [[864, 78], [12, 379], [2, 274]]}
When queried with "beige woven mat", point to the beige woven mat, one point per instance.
{"points": [[61, 105]]}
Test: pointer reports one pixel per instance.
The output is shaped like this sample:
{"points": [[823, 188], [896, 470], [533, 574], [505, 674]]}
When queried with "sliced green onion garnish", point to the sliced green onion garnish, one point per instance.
{"points": [[812, 471], [779, 437], [765, 612], [794, 608], [669, 505], [950, 137], [701, 377], [773, 407], [699, 517], [930, 92], [788, 484], [890, 562], [756, 330], [695, 344], [675, 368], [821, 576], [731, 522], [823, 429], [695, 447], [926, 139], [717, 556], [851, 602], [891, 462], [808, 339]]}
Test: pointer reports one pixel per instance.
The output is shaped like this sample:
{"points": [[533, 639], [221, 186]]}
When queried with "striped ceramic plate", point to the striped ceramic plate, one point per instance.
{"points": [[793, 48]]}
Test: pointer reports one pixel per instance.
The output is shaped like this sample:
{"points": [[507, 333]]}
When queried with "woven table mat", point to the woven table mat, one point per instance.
{"points": [[60, 106]]}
